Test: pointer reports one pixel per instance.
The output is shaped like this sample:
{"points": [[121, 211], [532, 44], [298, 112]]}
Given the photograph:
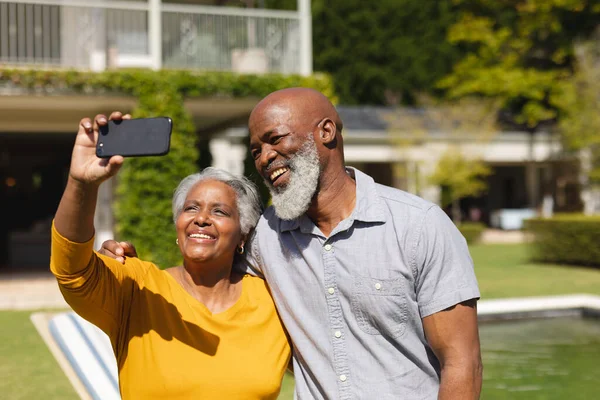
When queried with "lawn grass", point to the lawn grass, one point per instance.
{"points": [[287, 387], [29, 371], [27, 368], [503, 270]]}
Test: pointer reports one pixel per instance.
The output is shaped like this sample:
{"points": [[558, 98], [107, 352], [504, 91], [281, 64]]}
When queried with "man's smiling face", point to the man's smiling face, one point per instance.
{"points": [[273, 142], [285, 155]]}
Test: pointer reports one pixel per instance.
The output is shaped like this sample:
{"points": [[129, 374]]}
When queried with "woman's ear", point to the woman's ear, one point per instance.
{"points": [[243, 240], [327, 130]]}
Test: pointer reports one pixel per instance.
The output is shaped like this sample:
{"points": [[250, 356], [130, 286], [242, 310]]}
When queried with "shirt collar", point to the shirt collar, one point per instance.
{"points": [[368, 206]]}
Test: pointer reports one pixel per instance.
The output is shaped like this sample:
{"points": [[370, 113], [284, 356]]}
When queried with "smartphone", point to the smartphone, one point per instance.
{"points": [[135, 137]]}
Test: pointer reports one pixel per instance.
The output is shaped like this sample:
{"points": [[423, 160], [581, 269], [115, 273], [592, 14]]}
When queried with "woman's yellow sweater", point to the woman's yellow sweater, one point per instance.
{"points": [[169, 345]]}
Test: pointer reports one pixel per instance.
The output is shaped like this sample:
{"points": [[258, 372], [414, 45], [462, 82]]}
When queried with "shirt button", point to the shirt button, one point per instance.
{"points": [[338, 334], [331, 290], [343, 378], [328, 247], [378, 286]]}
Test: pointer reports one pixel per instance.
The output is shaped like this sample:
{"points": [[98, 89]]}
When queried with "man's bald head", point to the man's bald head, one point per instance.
{"points": [[301, 105], [297, 147]]}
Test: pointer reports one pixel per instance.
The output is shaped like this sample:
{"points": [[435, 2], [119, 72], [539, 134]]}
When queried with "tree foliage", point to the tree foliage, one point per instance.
{"points": [[382, 52], [464, 123], [518, 51], [580, 104], [392, 50], [461, 176]]}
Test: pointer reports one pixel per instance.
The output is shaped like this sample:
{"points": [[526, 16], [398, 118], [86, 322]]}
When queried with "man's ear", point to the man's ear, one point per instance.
{"points": [[327, 131]]}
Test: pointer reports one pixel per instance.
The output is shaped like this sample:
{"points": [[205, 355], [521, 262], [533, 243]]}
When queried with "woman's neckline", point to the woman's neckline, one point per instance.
{"points": [[239, 302]]}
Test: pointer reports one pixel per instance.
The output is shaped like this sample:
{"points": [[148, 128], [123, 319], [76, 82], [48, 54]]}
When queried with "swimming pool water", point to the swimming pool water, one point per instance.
{"points": [[543, 359]]}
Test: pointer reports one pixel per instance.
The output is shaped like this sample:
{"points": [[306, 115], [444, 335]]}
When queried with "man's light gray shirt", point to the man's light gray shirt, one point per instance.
{"points": [[353, 302]]}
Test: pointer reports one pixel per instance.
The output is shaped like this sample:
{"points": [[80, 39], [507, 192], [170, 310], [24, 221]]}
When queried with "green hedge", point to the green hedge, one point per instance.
{"points": [[145, 185], [193, 84], [471, 231], [566, 239]]}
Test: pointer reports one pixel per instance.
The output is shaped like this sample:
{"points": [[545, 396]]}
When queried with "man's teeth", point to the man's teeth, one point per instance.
{"points": [[200, 236], [277, 172]]}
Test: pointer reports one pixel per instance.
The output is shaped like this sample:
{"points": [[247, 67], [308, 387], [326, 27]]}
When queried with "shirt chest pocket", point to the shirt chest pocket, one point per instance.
{"points": [[379, 306]]}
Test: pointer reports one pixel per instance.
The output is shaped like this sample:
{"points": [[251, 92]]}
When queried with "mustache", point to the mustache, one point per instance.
{"points": [[289, 162], [276, 164]]}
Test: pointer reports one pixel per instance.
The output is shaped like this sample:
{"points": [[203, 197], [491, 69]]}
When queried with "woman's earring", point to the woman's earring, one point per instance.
{"points": [[240, 249], [176, 241]]}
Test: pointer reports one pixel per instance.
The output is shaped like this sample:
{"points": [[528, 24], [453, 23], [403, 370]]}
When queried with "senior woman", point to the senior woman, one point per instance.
{"points": [[200, 330]]}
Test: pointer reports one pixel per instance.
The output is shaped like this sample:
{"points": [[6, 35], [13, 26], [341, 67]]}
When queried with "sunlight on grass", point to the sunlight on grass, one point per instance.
{"points": [[504, 271], [27, 367]]}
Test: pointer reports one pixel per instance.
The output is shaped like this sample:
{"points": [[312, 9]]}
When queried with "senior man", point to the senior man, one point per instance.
{"points": [[375, 286]]}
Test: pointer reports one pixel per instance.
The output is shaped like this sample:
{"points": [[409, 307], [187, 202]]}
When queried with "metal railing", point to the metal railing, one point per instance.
{"points": [[117, 34], [209, 38]]}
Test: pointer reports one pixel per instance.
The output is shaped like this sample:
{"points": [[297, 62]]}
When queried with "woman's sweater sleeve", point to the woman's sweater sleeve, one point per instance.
{"points": [[98, 288]]}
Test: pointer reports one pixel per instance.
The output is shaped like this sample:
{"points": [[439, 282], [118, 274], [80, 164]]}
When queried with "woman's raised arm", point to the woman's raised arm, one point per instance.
{"points": [[74, 218]]}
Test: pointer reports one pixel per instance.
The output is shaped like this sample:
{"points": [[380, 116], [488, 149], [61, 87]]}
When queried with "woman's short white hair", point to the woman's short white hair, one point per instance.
{"points": [[248, 201]]}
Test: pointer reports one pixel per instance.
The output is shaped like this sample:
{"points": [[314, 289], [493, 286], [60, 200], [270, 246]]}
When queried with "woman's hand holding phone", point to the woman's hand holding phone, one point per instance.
{"points": [[74, 218], [135, 137], [86, 167]]}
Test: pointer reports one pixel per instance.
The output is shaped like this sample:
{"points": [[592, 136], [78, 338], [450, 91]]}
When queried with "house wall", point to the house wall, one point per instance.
{"points": [[525, 168]]}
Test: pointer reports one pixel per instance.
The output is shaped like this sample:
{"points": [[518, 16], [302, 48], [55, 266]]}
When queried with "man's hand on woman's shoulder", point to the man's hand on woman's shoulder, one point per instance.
{"points": [[118, 250]]}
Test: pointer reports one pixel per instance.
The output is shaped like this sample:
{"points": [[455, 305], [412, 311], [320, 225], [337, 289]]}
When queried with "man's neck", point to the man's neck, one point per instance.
{"points": [[334, 201]]}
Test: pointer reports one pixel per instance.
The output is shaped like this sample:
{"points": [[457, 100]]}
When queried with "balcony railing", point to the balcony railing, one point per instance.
{"points": [[119, 34]]}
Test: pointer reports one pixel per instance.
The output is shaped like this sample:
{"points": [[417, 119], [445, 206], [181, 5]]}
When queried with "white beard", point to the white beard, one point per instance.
{"points": [[293, 200]]}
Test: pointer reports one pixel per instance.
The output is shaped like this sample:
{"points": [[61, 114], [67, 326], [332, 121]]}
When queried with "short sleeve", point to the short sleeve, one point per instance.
{"points": [[444, 269]]}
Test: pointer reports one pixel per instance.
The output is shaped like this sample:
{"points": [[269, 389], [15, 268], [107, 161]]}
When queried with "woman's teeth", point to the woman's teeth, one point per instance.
{"points": [[200, 236]]}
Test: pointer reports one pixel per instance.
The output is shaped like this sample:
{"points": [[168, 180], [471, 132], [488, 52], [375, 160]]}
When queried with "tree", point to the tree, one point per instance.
{"points": [[461, 176], [580, 120], [468, 124], [518, 51], [381, 52]]}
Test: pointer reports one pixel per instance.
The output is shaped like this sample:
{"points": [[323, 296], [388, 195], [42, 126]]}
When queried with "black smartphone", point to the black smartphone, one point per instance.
{"points": [[135, 137]]}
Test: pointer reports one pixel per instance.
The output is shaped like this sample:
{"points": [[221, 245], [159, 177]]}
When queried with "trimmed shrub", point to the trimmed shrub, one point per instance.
{"points": [[471, 231], [146, 184], [566, 239]]}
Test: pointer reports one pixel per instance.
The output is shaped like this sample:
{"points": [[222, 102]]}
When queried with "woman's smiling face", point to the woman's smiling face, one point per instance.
{"points": [[208, 228]]}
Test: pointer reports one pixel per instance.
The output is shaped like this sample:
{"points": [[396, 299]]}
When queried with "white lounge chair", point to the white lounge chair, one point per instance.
{"points": [[84, 353]]}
